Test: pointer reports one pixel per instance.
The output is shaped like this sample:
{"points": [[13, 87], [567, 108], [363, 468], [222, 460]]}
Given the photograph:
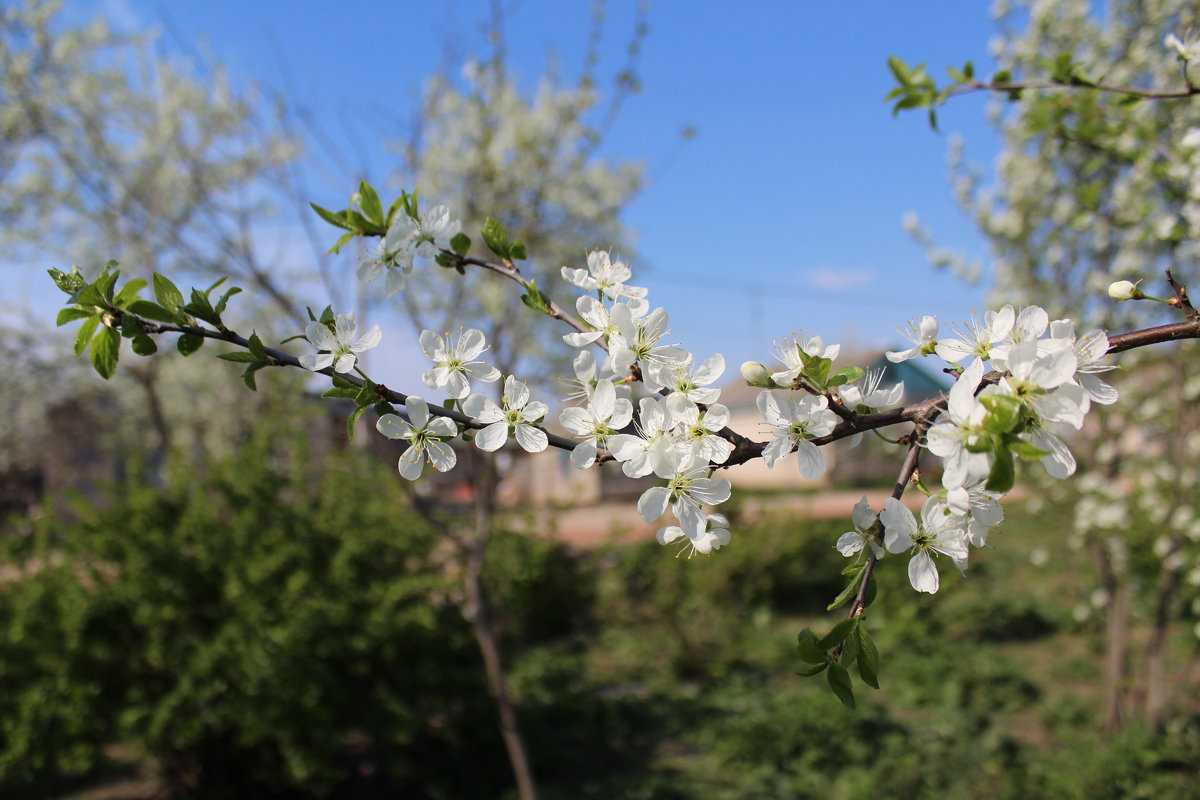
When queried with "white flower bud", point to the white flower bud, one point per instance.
{"points": [[1124, 290], [755, 374]]}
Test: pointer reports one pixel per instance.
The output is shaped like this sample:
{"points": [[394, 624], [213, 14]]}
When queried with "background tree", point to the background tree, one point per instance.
{"points": [[1093, 187]]}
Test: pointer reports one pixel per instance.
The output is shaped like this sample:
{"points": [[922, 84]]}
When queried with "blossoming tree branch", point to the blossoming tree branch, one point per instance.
{"points": [[641, 399]]}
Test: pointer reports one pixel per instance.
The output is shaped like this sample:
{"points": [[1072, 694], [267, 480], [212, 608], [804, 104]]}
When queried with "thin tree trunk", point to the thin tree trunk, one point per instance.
{"points": [[478, 612], [1156, 651], [1116, 641]]}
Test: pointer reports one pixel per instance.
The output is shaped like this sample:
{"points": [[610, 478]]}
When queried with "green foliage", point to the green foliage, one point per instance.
{"points": [[252, 629]]}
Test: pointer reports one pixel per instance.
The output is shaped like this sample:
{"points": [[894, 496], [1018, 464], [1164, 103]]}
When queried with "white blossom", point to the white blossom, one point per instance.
{"points": [[604, 416], [938, 534], [424, 433], [337, 347], [456, 362], [923, 335], [687, 489], [515, 415], [714, 536], [852, 542], [795, 422]]}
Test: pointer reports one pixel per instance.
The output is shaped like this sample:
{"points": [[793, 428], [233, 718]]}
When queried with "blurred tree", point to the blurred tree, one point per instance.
{"points": [[1093, 187], [487, 147]]}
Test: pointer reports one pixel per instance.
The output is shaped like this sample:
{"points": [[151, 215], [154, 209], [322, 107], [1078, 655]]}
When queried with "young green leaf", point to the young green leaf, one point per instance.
{"points": [[839, 681], [837, 635], [105, 351], [868, 659], [167, 293], [330, 217], [144, 308], [189, 343], [66, 315], [460, 243], [143, 345], [368, 201], [495, 237], [85, 334]]}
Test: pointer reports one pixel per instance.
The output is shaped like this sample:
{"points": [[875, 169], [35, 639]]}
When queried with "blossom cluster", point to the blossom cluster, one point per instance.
{"points": [[641, 400]]}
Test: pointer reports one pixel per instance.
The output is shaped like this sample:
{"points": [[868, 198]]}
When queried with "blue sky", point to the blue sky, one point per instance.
{"points": [[783, 214]]}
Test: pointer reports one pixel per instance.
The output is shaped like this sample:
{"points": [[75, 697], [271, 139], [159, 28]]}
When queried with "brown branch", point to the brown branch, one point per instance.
{"points": [[1016, 86], [907, 470]]}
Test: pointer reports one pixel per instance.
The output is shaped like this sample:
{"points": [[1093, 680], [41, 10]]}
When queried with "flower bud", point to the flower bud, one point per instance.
{"points": [[755, 374], [1124, 290]]}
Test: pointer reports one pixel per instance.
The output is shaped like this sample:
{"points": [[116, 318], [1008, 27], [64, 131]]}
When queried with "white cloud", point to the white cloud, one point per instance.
{"points": [[833, 279]]}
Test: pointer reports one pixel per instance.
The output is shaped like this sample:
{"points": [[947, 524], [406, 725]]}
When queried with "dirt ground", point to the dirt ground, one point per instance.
{"points": [[590, 526]]}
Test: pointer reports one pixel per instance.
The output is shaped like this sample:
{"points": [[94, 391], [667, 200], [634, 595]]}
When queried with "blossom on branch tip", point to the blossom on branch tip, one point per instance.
{"points": [[424, 434], [1124, 290], [793, 354], [923, 335], [1188, 51], [455, 362], [516, 414], [607, 277], [337, 347]]}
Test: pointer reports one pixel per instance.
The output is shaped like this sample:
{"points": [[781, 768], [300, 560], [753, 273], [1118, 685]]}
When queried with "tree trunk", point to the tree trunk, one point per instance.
{"points": [[477, 610]]}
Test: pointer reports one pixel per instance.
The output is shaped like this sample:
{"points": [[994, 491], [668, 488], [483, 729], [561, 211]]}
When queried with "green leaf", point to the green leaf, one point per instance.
{"points": [[143, 345], [817, 670], [461, 243], [148, 310], [1004, 472], [850, 646], [495, 237], [85, 334], [808, 649], [69, 282], [1004, 412], [330, 217], [846, 375], [1027, 451], [396, 205], [533, 298], [818, 370], [248, 376], [368, 201], [66, 315], [366, 394], [106, 282], [516, 251], [352, 420], [342, 383], [255, 345], [899, 70], [342, 394], [846, 594], [868, 659], [189, 343], [837, 635], [239, 357], [839, 681], [91, 295], [105, 351], [201, 308], [340, 243], [129, 292], [131, 326], [167, 294], [224, 301]]}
